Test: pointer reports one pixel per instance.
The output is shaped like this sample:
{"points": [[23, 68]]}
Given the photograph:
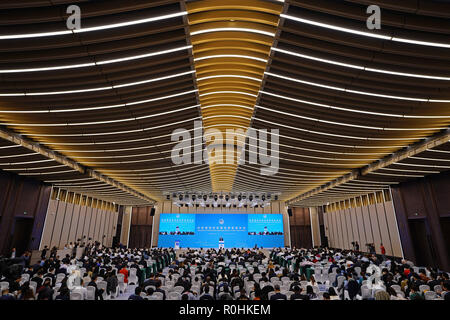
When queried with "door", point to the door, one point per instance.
{"points": [[423, 246], [22, 235]]}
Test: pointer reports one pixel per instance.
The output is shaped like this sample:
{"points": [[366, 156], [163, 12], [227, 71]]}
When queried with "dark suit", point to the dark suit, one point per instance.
{"points": [[45, 293], [297, 296], [98, 292], [51, 276], [135, 297], [38, 280], [206, 296], [353, 288], [278, 296]]}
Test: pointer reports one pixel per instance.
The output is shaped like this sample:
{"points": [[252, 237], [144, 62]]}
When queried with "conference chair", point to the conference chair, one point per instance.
{"points": [[148, 287], [33, 285], [25, 278], [158, 295], [424, 287], [396, 287], [90, 293], [130, 288], [340, 281], [132, 278], [366, 292], [430, 295], [174, 296], [288, 294], [4, 285], [178, 289], [76, 296], [60, 277]]}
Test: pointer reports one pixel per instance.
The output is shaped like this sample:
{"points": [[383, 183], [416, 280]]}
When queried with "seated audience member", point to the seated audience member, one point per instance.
{"points": [[332, 293], [415, 294], [297, 295], [206, 294], [382, 295], [445, 294], [278, 295], [6, 296], [45, 292], [310, 293], [64, 294], [98, 292], [136, 295]]}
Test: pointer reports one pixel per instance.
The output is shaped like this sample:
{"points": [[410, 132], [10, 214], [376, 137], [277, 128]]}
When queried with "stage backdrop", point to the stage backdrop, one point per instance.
{"points": [[208, 230]]}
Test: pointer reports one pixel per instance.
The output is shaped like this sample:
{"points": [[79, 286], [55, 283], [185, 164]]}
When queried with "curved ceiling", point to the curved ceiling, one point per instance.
{"points": [[231, 45], [93, 110]]}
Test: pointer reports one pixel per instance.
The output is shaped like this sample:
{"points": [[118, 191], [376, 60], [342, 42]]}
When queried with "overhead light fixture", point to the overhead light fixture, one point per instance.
{"points": [[366, 34], [270, 34], [90, 29]]}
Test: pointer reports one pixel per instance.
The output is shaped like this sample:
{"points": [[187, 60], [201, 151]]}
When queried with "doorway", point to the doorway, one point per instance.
{"points": [[22, 235], [422, 243]]}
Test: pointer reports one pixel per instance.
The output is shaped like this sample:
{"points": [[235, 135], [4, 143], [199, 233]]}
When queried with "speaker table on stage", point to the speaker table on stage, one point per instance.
{"points": [[176, 246], [221, 243]]}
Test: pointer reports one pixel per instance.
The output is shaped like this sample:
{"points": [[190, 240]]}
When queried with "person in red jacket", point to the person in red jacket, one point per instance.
{"points": [[383, 250], [124, 271]]}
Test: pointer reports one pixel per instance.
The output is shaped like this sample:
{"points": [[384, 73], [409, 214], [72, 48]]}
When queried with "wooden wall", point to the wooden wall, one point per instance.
{"points": [[300, 227], [66, 222], [141, 228], [366, 223], [424, 203], [25, 198]]}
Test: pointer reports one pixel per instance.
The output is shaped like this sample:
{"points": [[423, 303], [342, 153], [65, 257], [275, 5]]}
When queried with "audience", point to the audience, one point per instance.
{"points": [[226, 274]]}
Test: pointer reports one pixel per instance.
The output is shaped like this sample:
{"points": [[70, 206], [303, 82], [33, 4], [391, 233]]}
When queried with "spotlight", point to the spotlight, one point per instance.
{"points": [[168, 197], [180, 197], [193, 197], [227, 198], [205, 197], [263, 198], [239, 197], [276, 197], [215, 197], [250, 198]]}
